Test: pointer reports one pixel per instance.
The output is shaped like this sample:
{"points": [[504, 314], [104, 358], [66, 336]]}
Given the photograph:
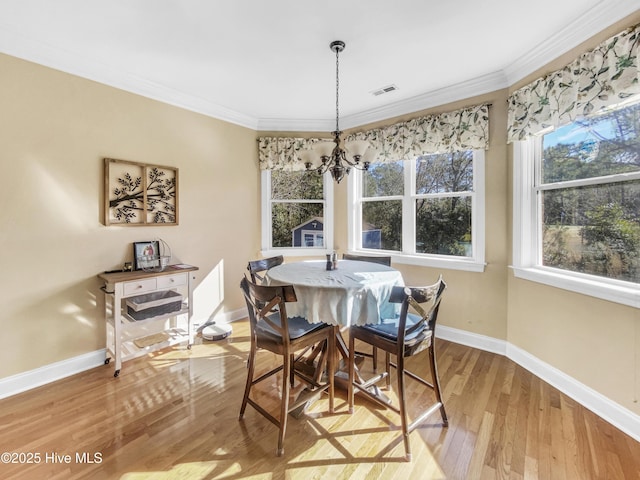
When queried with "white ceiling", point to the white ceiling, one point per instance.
{"points": [[266, 64]]}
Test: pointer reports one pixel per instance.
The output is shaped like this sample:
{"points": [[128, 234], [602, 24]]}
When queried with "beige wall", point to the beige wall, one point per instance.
{"points": [[55, 129], [594, 341], [475, 302]]}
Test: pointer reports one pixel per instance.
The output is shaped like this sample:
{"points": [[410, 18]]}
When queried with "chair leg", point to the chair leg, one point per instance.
{"points": [[387, 367], [352, 372], [374, 359], [250, 369], [323, 359], [403, 408], [331, 367], [436, 384], [284, 405]]}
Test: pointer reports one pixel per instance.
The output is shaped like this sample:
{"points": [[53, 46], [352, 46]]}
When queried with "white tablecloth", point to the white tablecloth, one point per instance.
{"points": [[355, 294]]}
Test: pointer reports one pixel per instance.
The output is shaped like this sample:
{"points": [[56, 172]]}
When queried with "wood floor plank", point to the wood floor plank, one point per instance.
{"points": [[174, 414], [477, 461], [520, 404]]}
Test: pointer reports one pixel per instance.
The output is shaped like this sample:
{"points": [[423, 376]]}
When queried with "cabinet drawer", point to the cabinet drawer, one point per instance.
{"points": [[139, 286], [170, 281]]}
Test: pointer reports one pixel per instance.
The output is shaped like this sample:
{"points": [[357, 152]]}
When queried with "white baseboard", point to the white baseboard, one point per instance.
{"points": [[239, 314], [607, 409], [225, 317], [620, 417], [22, 382], [50, 373], [482, 342]]}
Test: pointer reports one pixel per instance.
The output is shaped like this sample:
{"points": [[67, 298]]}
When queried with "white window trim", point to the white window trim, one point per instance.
{"points": [[267, 249], [475, 263], [527, 238]]}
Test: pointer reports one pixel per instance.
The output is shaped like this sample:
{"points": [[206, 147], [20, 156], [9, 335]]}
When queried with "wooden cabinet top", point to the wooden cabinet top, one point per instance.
{"points": [[117, 277]]}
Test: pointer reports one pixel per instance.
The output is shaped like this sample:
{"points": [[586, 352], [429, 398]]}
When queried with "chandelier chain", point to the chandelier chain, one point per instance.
{"points": [[337, 88], [338, 161]]}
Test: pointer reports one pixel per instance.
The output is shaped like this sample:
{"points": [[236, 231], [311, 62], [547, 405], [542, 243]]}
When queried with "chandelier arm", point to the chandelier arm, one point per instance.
{"points": [[357, 165], [322, 169], [337, 162]]}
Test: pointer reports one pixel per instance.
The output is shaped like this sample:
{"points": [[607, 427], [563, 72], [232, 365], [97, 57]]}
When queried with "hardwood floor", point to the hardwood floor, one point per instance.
{"points": [[174, 414]]}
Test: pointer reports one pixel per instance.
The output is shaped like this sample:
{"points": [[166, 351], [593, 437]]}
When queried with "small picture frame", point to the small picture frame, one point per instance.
{"points": [[145, 249]]}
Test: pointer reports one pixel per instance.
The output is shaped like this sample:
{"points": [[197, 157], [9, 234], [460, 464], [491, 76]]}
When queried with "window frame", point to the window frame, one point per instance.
{"points": [[314, 234], [475, 263], [527, 236], [267, 248]]}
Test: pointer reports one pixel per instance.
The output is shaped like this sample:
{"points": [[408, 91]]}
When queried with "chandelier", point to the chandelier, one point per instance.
{"points": [[337, 157]]}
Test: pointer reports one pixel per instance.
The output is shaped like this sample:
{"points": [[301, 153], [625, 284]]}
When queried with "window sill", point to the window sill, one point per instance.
{"points": [[296, 252], [464, 264], [624, 293]]}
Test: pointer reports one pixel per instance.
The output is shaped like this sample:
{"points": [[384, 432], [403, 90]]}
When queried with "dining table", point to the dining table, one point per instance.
{"points": [[352, 293]]}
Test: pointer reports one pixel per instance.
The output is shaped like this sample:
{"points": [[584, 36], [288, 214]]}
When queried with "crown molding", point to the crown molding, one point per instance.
{"points": [[604, 14], [17, 45], [596, 19], [452, 93], [297, 124], [477, 86]]}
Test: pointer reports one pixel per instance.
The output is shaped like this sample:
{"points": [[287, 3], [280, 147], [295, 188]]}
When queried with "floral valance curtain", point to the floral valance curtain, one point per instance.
{"points": [[466, 129], [604, 76]]}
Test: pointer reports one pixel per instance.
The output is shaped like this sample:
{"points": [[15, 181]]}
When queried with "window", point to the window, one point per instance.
{"points": [[297, 212], [427, 211], [312, 239], [577, 205]]}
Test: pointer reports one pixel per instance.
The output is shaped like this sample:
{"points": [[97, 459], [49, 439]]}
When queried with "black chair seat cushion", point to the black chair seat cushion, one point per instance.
{"points": [[388, 328], [298, 326]]}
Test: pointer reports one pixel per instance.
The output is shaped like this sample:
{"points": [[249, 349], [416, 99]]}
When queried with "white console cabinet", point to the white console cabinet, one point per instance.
{"points": [[127, 337]]}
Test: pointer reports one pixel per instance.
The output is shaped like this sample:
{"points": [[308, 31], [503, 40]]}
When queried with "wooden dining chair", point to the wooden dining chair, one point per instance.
{"points": [[405, 336], [257, 267], [273, 331], [384, 260]]}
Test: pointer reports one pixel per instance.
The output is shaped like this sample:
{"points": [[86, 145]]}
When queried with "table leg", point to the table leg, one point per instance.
{"points": [[307, 366], [342, 377]]}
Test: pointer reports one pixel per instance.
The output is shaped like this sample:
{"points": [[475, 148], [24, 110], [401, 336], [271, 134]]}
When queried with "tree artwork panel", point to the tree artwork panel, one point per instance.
{"points": [[140, 194]]}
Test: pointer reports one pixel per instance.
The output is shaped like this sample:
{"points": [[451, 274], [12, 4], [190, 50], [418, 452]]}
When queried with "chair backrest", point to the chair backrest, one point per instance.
{"points": [[255, 267], [365, 258], [415, 298], [265, 301]]}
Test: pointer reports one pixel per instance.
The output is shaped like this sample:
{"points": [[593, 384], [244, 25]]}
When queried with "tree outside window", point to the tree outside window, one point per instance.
{"points": [[431, 197], [444, 184], [297, 205], [589, 190]]}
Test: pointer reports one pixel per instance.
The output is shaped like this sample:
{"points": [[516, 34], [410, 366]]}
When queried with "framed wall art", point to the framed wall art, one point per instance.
{"points": [[139, 193]]}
